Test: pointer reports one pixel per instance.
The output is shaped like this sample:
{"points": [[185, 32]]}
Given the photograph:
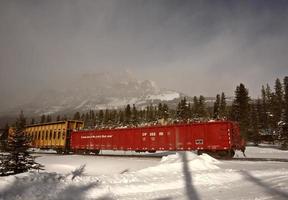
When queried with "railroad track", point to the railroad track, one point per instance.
{"points": [[261, 159], [160, 155]]}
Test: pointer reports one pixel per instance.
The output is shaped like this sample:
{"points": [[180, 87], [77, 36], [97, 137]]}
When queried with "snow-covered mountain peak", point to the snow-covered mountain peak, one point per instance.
{"points": [[99, 91]]}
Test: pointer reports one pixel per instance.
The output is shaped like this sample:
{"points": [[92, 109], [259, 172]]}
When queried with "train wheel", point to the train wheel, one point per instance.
{"points": [[59, 151], [226, 154], [199, 152], [232, 153], [97, 151]]}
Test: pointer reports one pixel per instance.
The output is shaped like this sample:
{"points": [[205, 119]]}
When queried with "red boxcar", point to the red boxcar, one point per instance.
{"points": [[219, 139]]}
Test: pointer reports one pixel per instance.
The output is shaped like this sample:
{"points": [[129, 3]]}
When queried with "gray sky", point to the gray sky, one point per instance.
{"points": [[196, 47]]}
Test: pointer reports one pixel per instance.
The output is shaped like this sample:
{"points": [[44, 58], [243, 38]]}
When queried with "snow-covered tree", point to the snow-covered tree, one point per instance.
{"points": [[17, 159]]}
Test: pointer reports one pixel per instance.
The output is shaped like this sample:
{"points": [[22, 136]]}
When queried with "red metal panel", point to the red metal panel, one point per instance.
{"points": [[210, 136]]}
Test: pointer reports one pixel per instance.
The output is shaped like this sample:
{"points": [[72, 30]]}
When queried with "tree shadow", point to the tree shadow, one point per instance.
{"points": [[268, 189], [189, 188]]}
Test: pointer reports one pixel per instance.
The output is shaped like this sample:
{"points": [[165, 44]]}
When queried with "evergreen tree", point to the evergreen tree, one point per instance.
{"points": [[127, 114], [195, 107], [284, 126], [48, 118], [121, 117], [100, 117], [58, 118], [106, 117], [134, 116], [82, 118], [202, 111], [165, 111], [160, 111], [240, 109], [43, 119], [64, 118], [32, 121], [183, 110], [216, 109], [223, 107], [18, 160], [77, 116], [263, 112], [4, 138], [254, 135], [286, 100], [278, 102]]}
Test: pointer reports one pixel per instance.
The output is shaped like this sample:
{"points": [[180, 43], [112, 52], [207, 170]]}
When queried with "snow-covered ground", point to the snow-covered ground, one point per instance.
{"points": [[182, 175]]}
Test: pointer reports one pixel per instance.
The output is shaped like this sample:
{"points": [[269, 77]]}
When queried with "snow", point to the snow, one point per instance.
{"points": [[179, 175], [167, 96]]}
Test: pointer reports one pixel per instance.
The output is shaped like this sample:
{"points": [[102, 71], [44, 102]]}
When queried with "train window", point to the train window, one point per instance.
{"points": [[63, 135], [59, 133], [39, 135], [50, 135], [42, 134], [54, 136]]}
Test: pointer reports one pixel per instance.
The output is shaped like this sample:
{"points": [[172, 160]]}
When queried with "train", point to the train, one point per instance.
{"points": [[219, 138]]}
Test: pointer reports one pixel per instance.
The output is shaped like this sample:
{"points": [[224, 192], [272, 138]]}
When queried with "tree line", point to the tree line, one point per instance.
{"points": [[267, 115]]}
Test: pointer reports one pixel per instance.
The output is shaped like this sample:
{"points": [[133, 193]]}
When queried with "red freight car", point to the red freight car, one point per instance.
{"points": [[219, 139]]}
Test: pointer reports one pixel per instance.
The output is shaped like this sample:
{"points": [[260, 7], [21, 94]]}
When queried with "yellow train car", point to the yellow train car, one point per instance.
{"points": [[53, 135]]}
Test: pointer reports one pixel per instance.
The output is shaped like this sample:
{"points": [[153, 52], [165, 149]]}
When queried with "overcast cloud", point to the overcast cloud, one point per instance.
{"points": [[196, 47]]}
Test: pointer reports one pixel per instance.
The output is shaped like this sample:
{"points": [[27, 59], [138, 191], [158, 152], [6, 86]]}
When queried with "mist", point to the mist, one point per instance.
{"points": [[195, 47]]}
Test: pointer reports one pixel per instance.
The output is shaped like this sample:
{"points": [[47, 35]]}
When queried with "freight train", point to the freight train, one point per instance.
{"points": [[219, 139]]}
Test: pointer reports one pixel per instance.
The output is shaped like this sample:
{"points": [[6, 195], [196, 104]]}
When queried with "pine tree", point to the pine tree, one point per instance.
{"points": [[43, 119], [4, 138], [278, 101], [64, 118], [100, 117], [223, 107], [18, 160], [58, 118], [121, 117], [127, 114], [48, 118], [286, 100], [263, 118], [216, 109], [32, 121], [254, 135], [183, 110], [106, 117], [202, 111], [284, 127], [160, 111], [195, 108], [134, 116], [165, 110], [77, 116], [240, 109]]}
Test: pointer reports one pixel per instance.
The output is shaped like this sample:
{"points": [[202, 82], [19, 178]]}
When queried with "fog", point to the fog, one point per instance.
{"points": [[195, 47]]}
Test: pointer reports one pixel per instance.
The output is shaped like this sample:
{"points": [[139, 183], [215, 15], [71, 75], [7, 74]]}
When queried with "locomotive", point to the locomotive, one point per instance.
{"points": [[219, 139]]}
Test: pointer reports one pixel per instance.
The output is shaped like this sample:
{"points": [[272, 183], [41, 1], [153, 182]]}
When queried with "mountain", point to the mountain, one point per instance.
{"points": [[97, 91]]}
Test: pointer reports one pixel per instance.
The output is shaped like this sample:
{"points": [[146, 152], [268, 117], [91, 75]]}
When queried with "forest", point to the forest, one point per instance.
{"points": [[265, 118]]}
